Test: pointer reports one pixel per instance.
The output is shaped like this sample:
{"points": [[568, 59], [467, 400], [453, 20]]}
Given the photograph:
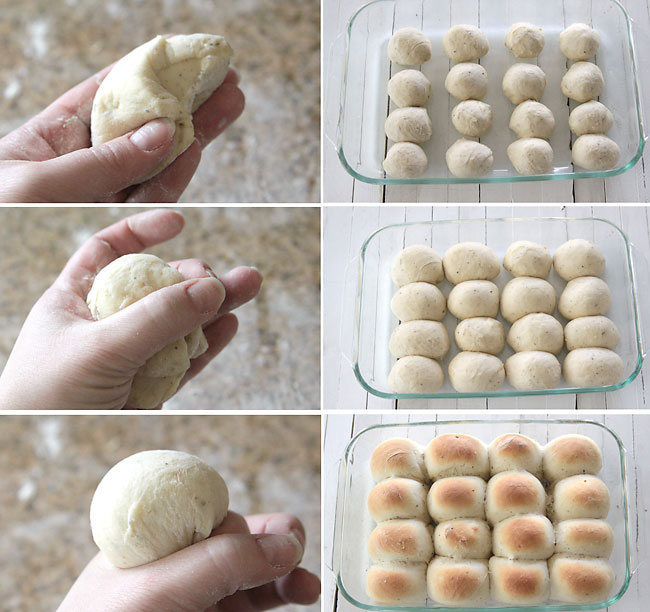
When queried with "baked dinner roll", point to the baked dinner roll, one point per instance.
{"points": [[474, 298], [417, 262], [584, 537], [456, 455], [513, 492], [514, 451], [388, 583], [405, 540], [526, 294], [591, 332], [575, 580], [456, 497], [525, 536], [519, 582], [481, 334], [419, 301], [471, 372], [416, 374], [579, 497], [470, 261], [579, 257], [570, 455], [398, 457], [425, 338], [463, 539], [458, 583], [398, 498]]}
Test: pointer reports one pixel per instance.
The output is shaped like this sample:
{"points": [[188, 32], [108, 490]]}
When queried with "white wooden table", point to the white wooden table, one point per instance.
{"points": [[339, 186], [344, 230], [340, 428]]}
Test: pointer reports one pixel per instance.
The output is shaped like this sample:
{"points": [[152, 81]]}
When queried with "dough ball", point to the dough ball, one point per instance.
{"points": [[419, 301], [416, 374], [164, 78], [582, 82], [470, 261], [532, 119], [591, 332], [464, 43], [478, 298], [531, 370], [398, 498], [579, 257], [536, 331], [401, 540], [523, 82], [583, 297], [471, 372], [456, 455], [394, 583], [121, 283], [405, 160], [579, 42], [417, 263], [410, 124], [511, 493], [526, 258], [592, 367], [463, 539], [467, 81], [531, 156], [570, 455], [472, 118], [409, 47], [528, 536], [582, 581], [155, 503], [409, 88], [523, 583], [513, 451], [469, 159], [526, 294], [595, 152], [482, 334], [584, 537], [582, 496], [592, 117], [525, 40], [458, 582], [457, 497], [425, 338], [398, 458]]}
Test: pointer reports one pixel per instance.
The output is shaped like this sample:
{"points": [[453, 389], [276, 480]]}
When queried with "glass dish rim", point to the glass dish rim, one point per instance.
{"points": [[489, 179], [509, 393], [536, 608]]}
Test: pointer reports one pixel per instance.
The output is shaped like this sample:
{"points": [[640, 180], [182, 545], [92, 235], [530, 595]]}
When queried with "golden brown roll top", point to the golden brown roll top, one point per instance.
{"points": [[408, 541], [519, 582], [457, 497], [526, 536], [463, 539], [588, 537], [580, 580], [456, 455], [570, 455], [513, 492], [398, 498], [514, 451], [398, 457], [397, 583], [579, 497], [458, 583]]}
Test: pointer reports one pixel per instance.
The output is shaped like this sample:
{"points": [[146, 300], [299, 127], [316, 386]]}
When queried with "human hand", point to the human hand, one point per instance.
{"points": [[65, 360], [230, 571], [50, 158]]}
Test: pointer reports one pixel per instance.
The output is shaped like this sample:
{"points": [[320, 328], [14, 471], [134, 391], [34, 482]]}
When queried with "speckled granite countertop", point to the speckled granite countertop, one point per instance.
{"points": [[272, 152], [273, 361], [51, 466]]}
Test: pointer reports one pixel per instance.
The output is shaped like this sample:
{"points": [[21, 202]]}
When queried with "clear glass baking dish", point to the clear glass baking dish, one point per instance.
{"points": [[353, 522], [374, 321], [359, 103]]}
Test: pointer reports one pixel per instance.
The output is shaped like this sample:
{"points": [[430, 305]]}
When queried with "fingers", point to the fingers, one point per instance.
{"points": [[233, 523], [242, 285], [299, 587], [278, 522], [218, 111]]}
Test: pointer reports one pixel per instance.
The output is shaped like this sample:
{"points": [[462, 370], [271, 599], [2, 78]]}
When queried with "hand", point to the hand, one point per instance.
{"points": [[50, 159], [65, 360], [231, 571]]}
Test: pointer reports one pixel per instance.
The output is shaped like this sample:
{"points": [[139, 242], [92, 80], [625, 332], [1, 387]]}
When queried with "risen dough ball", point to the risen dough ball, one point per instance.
{"points": [[164, 78], [155, 503], [403, 540], [582, 82], [525, 40], [592, 117], [582, 496], [472, 118], [464, 43], [526, 258], [570, 455], [482, 334], [511, 493], [398, 498], [467, 81], [463, 539], [588, 537], [469, 159], [405, 160], [592, 367], [416, 374], [398, 458], [579, 257], [477, 298], [532, 119], [584, 297], [419, 301], [523, 82], [591, 332], [524, 295], [409, 88], [456, 454], [530, 370], [417, 262], [513, 451], [595, 152], [395, 583], [425, 338], [410, 124], [470, 261], [462, 582], [579, 42], [531, 156], [409, 47], [582, 581], [471, 372], [536, 331], [528, 536], [125, 281]]}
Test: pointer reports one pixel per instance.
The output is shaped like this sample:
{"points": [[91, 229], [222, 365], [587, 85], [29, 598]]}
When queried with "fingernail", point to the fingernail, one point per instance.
{"points": [[207, 294], [209, 271], [153, 135], [280, 550]]}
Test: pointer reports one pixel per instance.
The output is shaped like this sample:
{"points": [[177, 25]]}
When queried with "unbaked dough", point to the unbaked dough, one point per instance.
{"points": [[524, 295], [582, 82], [467, 81], [425, 338], [464, 43], [578, 257], [592, 117], [584, 297], [591, 332], [532, 119], [472, 118], [526, 258], [481, 334], [531, 370], [409, 88], [595, 152], [470, 261], [536, 331], [405, 160], [415, 374], [525, 40], [579, 42], [409, 124], [474, 298], [416, 263], [469, 159], [531, 156], [592, 367], [471, 372], [409, 47], [419, 300], [523, 82]]}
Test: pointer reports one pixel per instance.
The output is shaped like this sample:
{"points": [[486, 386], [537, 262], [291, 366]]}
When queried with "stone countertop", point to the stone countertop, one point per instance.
{"points": [[272, 152], [52, 464], [273, 361]]}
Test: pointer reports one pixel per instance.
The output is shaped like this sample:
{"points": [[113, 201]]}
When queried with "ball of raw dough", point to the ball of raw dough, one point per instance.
{"points": [[526, 294], [471, 372], [470, 261], [121, 283], [419, 301], [578, 257], [425, 338], [580, 496], [416, 263], [405, 160], [592, 117], [409, 47], [462, 582], [410, 124], [579, 42], [464, 43], [396, 583], [570, 455], [416, 374], [463, 539], [531, 156], [469, 159], [478, 298], [523, 82], [402, 540], [532, 119], [456, 454], [467, 81], [582, 82], [155, 503], [531, 370], [592, 367], [514, 451], [580, 580], [525, 40], [398, 498], [511, 493], [520, 583], [472, 118], [526, 258], [409, 88], [482, 334], [591, 332], [583, 297], [595, 152], [398, 458], [536, 331]]}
